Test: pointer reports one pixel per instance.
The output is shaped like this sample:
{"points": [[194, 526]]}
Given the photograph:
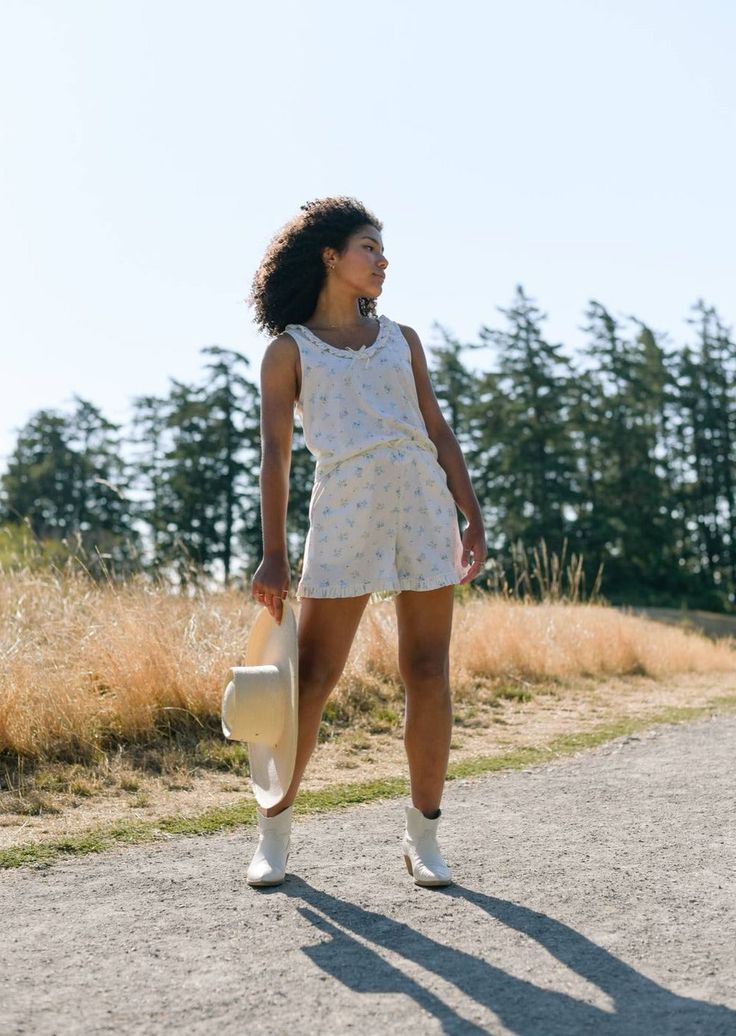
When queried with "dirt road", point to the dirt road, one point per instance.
{"points": [[595, 895]]}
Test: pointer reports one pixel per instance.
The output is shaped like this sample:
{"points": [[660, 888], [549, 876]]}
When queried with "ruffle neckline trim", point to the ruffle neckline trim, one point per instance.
{"points": [[334, 350]]}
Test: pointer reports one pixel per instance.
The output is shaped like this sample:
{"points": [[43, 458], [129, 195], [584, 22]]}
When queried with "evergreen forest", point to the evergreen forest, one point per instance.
{"points": [[624, 457]]}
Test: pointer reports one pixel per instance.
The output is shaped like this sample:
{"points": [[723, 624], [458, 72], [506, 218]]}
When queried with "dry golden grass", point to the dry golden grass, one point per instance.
{"points": [[83, 664], [85, 667], [560, 641]]}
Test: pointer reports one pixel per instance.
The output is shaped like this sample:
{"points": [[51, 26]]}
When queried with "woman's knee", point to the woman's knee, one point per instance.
{"points": [[318, 680], [427, 671]]}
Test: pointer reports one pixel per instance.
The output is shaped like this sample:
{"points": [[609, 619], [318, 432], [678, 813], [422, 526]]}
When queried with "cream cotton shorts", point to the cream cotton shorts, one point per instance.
{"points": [[384, 520]]}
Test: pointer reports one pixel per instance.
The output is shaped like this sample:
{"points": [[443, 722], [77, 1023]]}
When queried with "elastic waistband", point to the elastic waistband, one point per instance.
{"points": [[400, 447]]}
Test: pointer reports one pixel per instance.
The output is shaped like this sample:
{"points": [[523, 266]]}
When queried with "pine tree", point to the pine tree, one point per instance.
{"points": [[66, 477], [706, 380], [39, 483], [233, 437], [149, 440], [102, 509], [527, 449], [632, 517], [189, 535]]}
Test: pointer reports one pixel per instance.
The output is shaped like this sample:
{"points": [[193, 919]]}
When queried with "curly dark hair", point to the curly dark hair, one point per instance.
{"points": [[288, 281]]}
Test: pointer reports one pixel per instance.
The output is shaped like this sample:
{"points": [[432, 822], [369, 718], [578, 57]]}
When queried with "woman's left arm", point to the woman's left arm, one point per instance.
{"points": [[450, 457]]}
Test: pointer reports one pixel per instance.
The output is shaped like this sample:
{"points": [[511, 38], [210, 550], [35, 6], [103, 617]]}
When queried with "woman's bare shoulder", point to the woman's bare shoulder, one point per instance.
{"points": [[283, 345], [281, 364], [412, 338], [282, 351]]}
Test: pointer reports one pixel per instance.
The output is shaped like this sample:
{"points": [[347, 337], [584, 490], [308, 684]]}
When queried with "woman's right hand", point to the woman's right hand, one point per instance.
{"points": [[270, 585]]}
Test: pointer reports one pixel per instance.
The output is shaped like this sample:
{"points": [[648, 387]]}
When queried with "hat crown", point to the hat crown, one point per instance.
{"points": [[255, 704]]}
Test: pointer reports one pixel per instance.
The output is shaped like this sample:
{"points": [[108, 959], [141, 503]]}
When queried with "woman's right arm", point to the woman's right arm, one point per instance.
{"points": [[278, 393]]}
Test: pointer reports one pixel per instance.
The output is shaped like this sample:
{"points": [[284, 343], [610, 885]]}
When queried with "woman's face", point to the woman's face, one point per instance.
{"points": [[362, 266]]}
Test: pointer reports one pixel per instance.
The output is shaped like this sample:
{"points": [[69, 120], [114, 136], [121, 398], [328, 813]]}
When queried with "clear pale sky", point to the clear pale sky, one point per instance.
{"points": [[151, 148]]}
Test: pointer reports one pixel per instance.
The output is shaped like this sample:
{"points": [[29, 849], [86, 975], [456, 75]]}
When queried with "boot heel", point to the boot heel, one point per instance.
{"points": [[407, 861]]}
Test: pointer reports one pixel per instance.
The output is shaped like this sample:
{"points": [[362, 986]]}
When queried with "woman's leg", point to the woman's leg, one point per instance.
{"points": [[424, 620], [327, 629]]}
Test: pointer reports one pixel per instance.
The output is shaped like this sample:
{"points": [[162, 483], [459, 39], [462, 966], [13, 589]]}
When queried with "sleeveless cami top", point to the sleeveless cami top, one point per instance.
{"points": [[354, 400]]}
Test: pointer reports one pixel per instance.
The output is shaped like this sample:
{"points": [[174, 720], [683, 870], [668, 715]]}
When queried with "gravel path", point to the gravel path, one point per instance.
{"points": [[595, 895]]}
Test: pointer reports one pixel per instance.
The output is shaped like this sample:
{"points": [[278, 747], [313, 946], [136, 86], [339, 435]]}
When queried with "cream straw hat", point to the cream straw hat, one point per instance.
{"points": [[260, 705]]}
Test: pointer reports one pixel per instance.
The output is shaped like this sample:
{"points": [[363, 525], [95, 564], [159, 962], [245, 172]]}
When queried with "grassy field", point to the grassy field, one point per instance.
{"points": [[110, 695]]}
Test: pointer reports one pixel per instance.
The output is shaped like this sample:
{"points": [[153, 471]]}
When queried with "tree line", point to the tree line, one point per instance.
{"points": [[627, 456]]}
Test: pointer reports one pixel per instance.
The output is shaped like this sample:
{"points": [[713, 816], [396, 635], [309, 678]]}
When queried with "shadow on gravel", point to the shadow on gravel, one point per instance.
{"points": [[641, 1007]]}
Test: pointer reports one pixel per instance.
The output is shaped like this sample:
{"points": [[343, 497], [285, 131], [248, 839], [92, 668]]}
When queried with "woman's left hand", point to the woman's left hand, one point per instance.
{"points": [[474, 547]]}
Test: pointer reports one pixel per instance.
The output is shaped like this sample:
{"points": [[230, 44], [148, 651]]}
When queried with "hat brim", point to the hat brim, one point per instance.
{"points": [[272, 766]]}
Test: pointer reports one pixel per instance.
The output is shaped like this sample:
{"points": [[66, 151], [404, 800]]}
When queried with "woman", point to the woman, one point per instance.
{"points": [[389, 475]]}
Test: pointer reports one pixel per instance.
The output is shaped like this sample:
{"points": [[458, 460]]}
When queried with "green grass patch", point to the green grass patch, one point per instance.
{"points": [[340, 796], [218, 754], [510, 692]]}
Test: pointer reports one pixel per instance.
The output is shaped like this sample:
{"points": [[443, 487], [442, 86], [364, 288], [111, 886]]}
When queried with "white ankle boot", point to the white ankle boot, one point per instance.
{"points": [[421, 852], [268, 866]]}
